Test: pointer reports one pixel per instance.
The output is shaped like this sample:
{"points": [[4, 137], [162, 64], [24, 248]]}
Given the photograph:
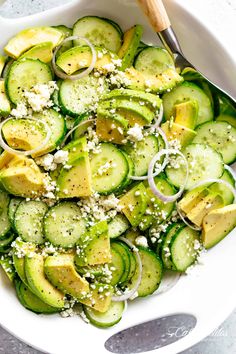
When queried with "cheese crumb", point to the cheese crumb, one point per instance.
{"points": [[135, 133], [141, 241]]}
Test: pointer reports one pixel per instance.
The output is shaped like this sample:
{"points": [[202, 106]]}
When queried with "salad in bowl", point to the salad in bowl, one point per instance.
{"points": [[114, 171]]}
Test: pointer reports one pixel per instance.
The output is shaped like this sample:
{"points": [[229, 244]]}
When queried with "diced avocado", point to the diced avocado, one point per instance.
{"points": [[80, 57], [34, 270], [130, 110], [7, 266], [94, 246], [2, 63], [20, 249], [75, 181], [5, 107], [175, 131], [186, 114], [60, 271], [75, 148], [24, 134], [155, 83], [134, 204], [30, 301], [42, 51], [152, 101], [227, 118], [132, 234], [27, 38], [222, 189], [5, 158], [110, 127], [130, 45], [210, 202], [217, 224], [99, 297], [192, 199], [22, 181]]}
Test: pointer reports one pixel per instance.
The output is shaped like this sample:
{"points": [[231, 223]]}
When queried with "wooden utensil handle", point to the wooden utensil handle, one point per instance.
{"points": [[156, 13]]}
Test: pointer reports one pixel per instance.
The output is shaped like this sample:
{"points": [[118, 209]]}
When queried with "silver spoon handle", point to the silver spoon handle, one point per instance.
{"points": [[170, 41]]}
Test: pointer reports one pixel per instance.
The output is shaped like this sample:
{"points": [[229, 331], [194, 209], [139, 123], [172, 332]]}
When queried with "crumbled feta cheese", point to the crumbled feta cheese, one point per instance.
{"points": [[135, 133], [39, 96], [47, 162], [141, 241], [20, 111], [60, 156]]}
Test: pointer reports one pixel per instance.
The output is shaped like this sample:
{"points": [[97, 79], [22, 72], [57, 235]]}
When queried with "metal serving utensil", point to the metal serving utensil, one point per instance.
{"points": [[158, 18]]}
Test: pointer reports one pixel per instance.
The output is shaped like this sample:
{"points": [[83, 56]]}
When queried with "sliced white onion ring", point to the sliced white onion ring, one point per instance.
{"points": [[166, 198], [165, 161], [216, 180], [82, 74], [131, 292], [74, 128], [25, 152], [183, 218]]}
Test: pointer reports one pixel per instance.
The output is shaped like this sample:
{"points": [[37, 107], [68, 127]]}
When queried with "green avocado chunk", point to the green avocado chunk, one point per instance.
{"points": [[42, 51], [134, 204], [130, 45], [5, 107], [34, 269], [218, 224], [186, 114], [94, 246]]}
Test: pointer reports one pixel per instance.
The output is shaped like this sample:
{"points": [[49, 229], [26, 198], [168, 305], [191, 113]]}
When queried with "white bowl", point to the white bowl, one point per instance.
{"points": [[210, 292]]}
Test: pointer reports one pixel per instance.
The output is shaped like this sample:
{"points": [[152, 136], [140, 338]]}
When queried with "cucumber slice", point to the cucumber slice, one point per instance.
{"points": [[29, 221], [5, 107], [63, 224], [5, 224], [99, 32], [117, 266], [223, 190], [187, 92], [117, 226], [158, 211], [114, 24], [182, 248], [57, 125], [31, 301], [227, 118], [204, 162], [67, 32], [123, 250], [165, 247], [153, 61], [25, 74], [14, 203], [79, 96], [151, 272], [131, 170], [221, 136], [104, 167], [142, 153], [83, 128], [5, 243], [105, 319]]}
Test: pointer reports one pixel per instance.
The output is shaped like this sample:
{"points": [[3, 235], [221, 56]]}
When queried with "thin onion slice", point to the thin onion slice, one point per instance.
{"points": [[25, 152], [164, 163], [82, 74], [74, 128], [216, 180], [131, 292], [166, 198], [183, 218]]}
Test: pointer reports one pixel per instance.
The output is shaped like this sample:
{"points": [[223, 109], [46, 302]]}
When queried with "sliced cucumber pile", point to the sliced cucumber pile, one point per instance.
{"points": [[114, 168]]}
